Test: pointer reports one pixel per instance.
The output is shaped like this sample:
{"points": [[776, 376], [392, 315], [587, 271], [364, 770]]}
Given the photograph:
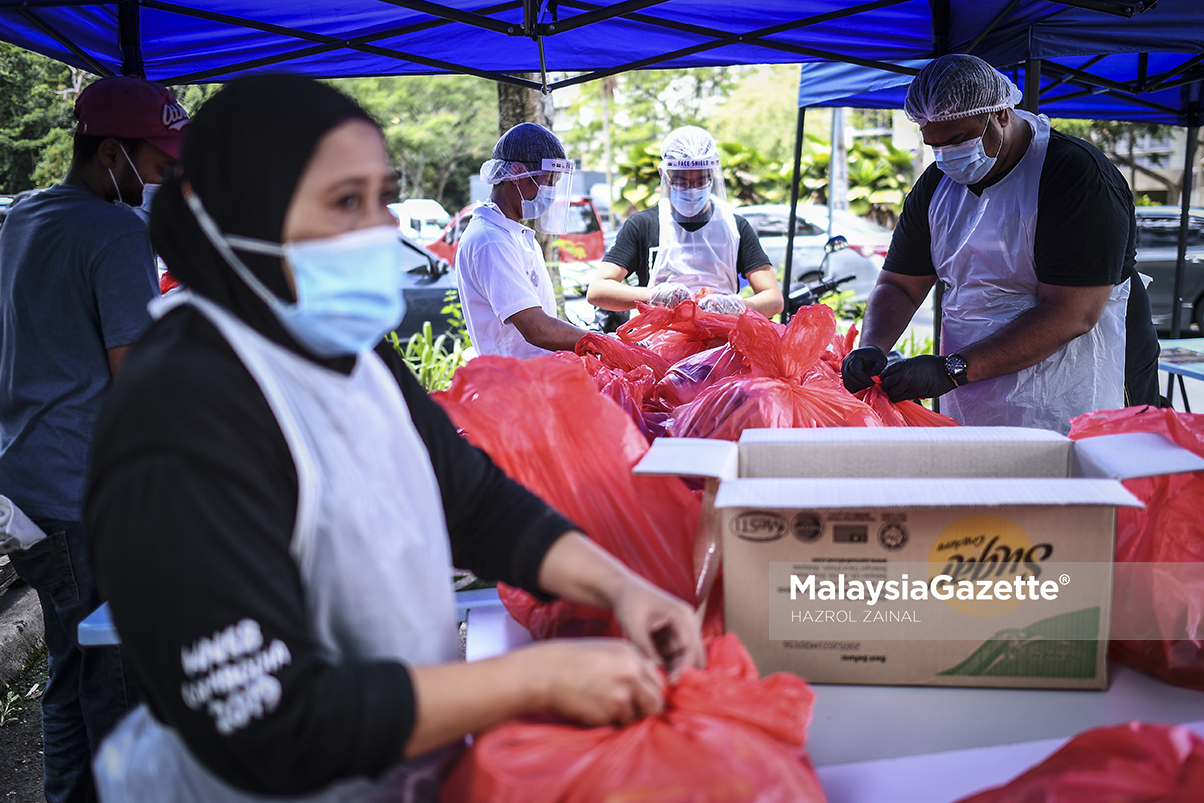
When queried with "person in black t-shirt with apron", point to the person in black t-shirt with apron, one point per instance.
{"points": [[1031, 232], [690, 242]]}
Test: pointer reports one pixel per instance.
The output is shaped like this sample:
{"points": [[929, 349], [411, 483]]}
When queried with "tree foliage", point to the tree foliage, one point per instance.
{"points": [[36, 97], [879, 176], [648, 104], [438, 129]]}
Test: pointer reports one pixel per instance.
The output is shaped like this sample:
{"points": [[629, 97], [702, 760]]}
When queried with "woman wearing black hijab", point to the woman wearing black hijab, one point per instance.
{"points": [[271, 499]]}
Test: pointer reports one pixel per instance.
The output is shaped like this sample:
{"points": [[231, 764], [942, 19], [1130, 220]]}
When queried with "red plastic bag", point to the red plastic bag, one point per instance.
{"points": [[545, 424], [725, 735], [631, 390], [689, 377], [1169, 530], [679, 332], [1133, 763], [619, 354], [904, 413], [782, 391]]}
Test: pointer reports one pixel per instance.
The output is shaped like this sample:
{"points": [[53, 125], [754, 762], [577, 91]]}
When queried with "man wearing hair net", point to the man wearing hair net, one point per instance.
{"points": [[509, 304], [1032, 233], [691, 242]]}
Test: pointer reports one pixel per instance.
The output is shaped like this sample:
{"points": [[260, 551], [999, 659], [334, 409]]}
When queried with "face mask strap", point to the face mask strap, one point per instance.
{"points": [[223, 242], [998, 150], [137, 175], [114, 180]]}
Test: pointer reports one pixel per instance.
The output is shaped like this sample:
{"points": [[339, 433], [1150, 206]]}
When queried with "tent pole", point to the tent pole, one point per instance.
{"points": [[1189, 159], [129, 37], [1032, 86], [788, 262]]}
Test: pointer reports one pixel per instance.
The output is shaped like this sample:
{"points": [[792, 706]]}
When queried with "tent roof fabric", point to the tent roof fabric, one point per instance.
{"points": [[1093, 66], [217, 40]]}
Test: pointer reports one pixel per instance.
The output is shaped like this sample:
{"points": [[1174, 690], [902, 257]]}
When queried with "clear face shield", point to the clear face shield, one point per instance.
{"points": [[690, 185], [548, 210]]}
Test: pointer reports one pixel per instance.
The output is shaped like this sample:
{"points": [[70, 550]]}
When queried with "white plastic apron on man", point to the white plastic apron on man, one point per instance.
{"points": [[370, 542], [698, 259], [982, 248]]}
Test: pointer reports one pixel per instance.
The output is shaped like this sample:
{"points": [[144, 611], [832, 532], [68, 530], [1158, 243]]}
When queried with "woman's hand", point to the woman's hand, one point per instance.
{"points": [[594, 681], [662, 626]]}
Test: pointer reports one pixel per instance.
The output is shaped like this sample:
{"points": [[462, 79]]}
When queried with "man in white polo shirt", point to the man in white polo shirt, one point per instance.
{"points": [[507, 296]]}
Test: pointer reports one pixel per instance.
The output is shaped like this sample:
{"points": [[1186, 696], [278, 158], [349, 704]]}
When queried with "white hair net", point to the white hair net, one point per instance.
{"points": [[686, 152], [957, 86], [687, 143], [522, 152]]}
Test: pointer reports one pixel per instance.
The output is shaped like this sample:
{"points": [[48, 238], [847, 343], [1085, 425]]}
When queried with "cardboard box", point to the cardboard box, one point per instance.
{"points": [[999, 513]]}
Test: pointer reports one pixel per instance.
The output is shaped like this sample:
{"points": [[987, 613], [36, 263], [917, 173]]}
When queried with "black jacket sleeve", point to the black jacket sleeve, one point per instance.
{"points": [[190, 510]]}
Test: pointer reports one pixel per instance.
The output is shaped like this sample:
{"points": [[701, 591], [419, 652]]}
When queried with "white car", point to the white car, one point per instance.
{"points": [[420, 219], [868, 243]]}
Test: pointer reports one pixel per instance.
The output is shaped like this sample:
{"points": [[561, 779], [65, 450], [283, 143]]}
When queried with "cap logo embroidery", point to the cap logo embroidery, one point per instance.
{"points": [[174, 116]]}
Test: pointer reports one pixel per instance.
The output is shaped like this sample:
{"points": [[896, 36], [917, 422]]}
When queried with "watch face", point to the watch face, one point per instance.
{"points": [[956, 366]]}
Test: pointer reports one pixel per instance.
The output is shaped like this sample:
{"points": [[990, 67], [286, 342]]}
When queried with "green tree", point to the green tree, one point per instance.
{"points": [[36, 97], [438, 128], [761, 112], [648, 104]]}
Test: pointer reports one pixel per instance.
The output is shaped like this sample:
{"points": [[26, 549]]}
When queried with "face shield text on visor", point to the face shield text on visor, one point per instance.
{"points": [[690, 184]]}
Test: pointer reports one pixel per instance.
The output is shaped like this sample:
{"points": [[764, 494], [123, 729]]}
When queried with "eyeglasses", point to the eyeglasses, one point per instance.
{"points": [[687, 184]]}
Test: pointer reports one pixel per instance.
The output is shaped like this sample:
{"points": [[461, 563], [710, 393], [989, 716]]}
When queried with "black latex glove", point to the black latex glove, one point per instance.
{"points": [[860, 366], [918, 378]]}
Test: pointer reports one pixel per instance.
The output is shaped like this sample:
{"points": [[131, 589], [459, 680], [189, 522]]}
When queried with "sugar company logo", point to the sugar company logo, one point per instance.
{"points": [[806, 527], [892, 537], [978, 549], [758, 526]]}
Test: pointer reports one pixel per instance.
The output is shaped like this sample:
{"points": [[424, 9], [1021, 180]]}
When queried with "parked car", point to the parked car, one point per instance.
{"points": [[421, 219], [1157, 252], [863, 257], [584, 239], [426, 282]]}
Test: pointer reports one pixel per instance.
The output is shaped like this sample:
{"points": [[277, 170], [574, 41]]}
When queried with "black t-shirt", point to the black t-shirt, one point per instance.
{"points": [[1085, 234], [1085, 237], [190, 511], [638, 241]]}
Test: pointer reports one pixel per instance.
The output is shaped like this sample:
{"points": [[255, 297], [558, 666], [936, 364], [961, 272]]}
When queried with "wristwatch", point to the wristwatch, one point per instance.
{"points": [[955, 366]]}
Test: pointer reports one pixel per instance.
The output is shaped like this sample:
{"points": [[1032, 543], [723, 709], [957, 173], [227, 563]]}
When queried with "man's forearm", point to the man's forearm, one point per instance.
{"points": [[887, 315], [610, 294], [1029, 338], [542, 330]]}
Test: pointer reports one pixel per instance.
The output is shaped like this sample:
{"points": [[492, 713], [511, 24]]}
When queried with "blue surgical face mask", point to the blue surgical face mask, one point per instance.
{"points": [[148, 195], [966, 162], [348, 287], [542, 202], [690, 203]]}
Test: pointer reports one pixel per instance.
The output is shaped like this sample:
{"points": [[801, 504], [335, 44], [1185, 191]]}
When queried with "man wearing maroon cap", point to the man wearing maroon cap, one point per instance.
{"points": [[76, 274]]}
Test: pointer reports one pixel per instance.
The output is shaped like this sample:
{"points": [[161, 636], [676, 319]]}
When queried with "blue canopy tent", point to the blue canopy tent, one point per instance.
{"points": [[1076, 64], [217, 40]]}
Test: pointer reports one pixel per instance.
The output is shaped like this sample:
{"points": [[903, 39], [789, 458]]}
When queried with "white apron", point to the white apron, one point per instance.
{"points": [[982, 248], [698, 259], [370, 542]]}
